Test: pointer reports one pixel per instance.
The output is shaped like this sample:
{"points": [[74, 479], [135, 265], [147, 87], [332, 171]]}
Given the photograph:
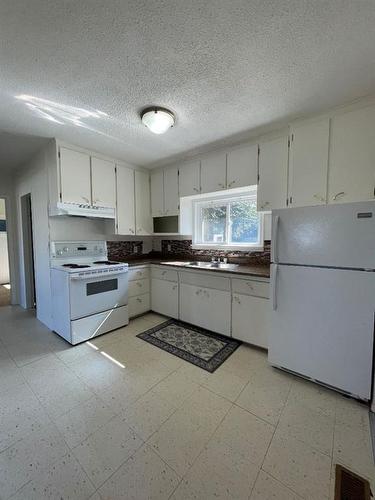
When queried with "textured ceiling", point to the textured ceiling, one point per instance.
{"points": [[224, 67]]}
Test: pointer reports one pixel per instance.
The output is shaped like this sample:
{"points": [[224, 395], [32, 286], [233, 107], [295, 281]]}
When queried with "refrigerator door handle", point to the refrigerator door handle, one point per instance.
{"points": [[275, 269], [274, 236]]}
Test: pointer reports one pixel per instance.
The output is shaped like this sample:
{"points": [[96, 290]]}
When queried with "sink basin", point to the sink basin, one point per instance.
{"points": [[202, 264]]}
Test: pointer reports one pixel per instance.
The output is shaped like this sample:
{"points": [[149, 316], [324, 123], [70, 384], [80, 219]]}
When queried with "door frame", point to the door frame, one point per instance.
{"points": [[11, 238], [28, 250]]}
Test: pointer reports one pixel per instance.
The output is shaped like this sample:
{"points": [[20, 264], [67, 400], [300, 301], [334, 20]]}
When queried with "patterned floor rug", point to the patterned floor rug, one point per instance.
{"points": [[200, 347]]}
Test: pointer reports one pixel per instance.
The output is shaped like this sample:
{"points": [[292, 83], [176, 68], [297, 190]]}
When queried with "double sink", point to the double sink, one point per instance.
{"points": [[203, 265]]}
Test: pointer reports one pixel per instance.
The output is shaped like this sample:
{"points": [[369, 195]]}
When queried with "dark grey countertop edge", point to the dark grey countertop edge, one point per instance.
{"points": [[256, 272]]}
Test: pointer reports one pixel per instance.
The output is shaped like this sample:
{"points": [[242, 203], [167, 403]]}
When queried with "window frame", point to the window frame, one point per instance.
{"points": [[224, 198]]}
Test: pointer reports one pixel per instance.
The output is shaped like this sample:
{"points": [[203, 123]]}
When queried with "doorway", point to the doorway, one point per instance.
{"points": [[28, 251], [5, 288]]}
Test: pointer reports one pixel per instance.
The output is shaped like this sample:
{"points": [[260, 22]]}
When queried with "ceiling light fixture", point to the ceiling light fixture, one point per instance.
{"points": [[158, 120]]}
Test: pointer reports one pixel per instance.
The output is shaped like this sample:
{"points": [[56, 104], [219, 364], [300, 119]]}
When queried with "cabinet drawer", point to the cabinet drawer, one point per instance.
{"points": [[139, 305], [251, 287], [139, 273], [164, 274], [205, 280], [138, 287]]}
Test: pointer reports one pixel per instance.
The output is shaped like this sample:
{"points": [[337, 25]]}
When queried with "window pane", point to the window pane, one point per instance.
{"points": [[244, 221], [213, 224]]}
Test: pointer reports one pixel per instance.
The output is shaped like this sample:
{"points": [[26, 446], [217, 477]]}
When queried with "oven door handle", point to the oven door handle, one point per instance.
{"points": [[97, 276]]}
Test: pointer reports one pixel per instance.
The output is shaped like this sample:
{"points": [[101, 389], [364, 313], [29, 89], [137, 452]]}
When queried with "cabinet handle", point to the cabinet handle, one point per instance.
{"points": [[86, 199], [221, 185], [319, 197], [264, 205], [139, 272], [174, 287], [338, 195], [163, 273], [237, 299], [196, 190], [138, 283], [139, 300], [230, 184], [198, 292], [250, 285]]}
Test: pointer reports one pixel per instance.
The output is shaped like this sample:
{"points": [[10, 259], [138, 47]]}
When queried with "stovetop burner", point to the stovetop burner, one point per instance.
{"points": [[75, 266], [106, 262]]}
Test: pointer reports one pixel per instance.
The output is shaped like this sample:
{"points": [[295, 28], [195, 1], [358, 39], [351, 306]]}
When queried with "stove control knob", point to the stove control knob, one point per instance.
{"points": [[65, 249], [59, 252]]}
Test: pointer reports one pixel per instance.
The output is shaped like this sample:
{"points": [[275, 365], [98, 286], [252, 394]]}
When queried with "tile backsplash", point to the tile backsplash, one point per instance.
{"points": [[183, 248], [122, 250]]}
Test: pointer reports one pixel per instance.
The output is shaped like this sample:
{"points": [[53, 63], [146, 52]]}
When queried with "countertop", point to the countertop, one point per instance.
{"points": [[243, 269]]}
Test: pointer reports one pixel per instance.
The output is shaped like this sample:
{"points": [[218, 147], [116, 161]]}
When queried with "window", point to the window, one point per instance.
{"points": [[228, 222]]}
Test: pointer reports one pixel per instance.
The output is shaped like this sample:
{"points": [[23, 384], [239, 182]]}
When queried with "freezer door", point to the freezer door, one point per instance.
{"points": [[326, 236], [322, 325]]}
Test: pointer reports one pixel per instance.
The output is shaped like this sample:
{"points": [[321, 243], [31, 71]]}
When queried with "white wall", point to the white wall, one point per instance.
{"points": [[7, 192], [34, 180], [4, 262]]}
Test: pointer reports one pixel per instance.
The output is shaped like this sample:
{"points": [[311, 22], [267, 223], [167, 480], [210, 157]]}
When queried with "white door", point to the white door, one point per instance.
{"points": [[273, 174], [143, 220], [308, 163], [213, 173], [75, 177], [250, 319], [322, 325], [351, 173], [125, 212], [157, 193], [171, 198], [189, 179], [242, 166], [164, 297], [103, 179], [205, 307]]}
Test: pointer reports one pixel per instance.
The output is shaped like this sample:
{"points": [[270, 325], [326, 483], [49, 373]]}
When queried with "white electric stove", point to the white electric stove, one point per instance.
{"points": [[89, 292]]}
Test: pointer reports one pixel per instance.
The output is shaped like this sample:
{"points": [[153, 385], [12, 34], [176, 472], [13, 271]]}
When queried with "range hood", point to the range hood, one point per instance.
{"points": [[77, 210]]}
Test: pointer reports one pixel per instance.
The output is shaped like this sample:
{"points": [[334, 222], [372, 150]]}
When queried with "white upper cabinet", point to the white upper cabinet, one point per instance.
{"points": [[171, 198], [351, 174], [242, 166], [143, 221], [273, 174], [189, 178], [125, 200], [75, 177], [103, 179], [308, 163], [157, 193], [213, 173]]}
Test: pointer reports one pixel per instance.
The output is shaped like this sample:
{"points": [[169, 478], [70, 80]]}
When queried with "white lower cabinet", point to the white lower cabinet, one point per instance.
{"points": [[164, 297], [138, 305], [205, 307], [250, 319]]}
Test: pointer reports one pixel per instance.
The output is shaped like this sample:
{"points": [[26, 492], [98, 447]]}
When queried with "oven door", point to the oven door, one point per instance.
{"points": [[94, 294]]}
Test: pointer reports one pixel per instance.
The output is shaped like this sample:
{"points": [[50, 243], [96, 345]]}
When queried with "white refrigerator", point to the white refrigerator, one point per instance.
{"points": [[323, 295]]}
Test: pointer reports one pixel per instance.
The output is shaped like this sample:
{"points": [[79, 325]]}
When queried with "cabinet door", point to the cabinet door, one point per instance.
{"points": [[75, 177], [143, 222], [138, 305], [125, 212], [250, 319], [164, 297], [273, 174], [308, 164], [351, 171], [242, 166], [171, 198], [213, 173], [189, 179], [103, 182], [157, 193], [205, 307]]}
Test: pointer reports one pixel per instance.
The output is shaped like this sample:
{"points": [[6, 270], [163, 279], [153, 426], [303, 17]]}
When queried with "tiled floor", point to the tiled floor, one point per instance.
{"points": [[76, 425]]}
